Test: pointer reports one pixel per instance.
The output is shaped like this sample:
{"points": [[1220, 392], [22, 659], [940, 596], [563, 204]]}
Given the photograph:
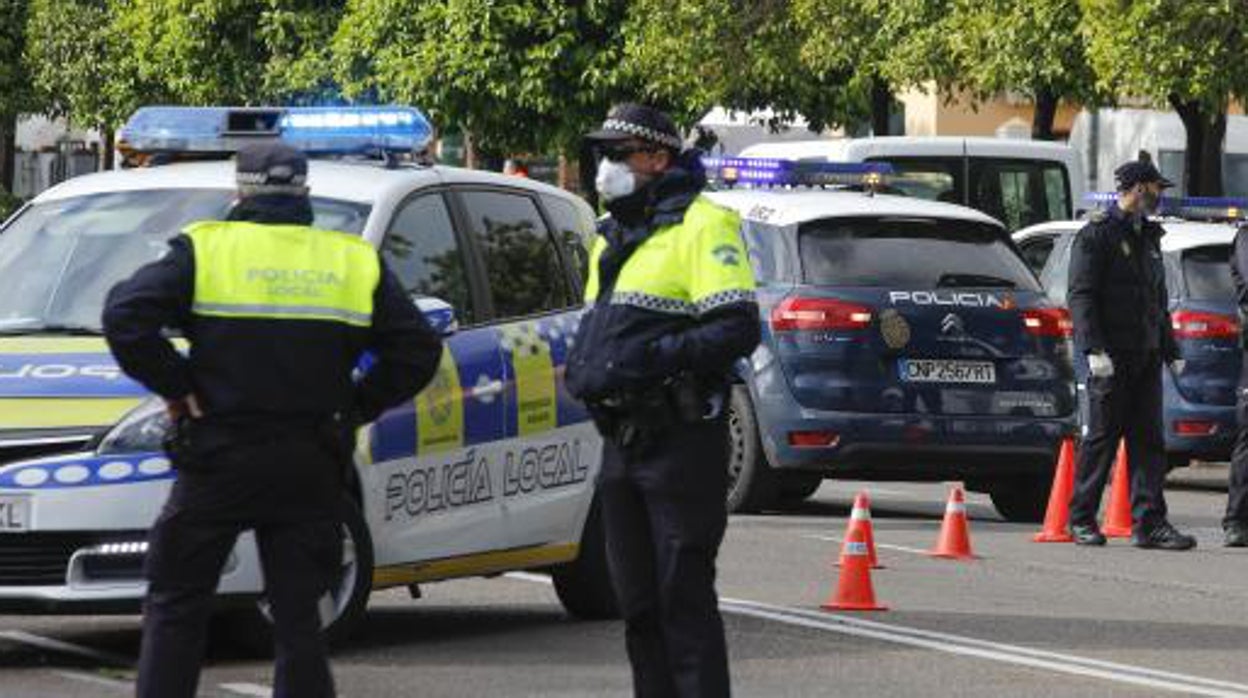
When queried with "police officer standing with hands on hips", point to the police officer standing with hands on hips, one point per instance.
{"points": [[671, 309], [1119, 306], [1235, 522], [277, 315]]}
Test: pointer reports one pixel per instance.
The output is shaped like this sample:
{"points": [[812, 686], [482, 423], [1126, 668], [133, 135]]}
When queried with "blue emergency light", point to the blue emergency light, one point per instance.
{"points": [[315, 130], [1209, 208], [775, 172]]}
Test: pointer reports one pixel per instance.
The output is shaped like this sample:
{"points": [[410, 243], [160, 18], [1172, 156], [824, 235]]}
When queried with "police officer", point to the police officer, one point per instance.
{"points": [[1118, 302], [672, 308], [277, 314], [1235, 522]]}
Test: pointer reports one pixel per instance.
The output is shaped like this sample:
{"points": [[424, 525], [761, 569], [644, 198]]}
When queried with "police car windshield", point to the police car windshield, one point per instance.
{"points": [[58, 259], [1207, 273], [911, 253]]}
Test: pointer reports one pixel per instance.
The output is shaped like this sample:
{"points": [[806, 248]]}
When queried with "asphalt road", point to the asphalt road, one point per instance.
{"points": [[1025, 619]]}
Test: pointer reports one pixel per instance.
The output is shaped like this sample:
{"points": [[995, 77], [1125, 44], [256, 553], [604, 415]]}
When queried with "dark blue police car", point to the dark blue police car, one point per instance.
{"points": [[903, 340]]}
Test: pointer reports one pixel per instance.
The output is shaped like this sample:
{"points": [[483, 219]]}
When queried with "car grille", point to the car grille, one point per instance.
{"points": [[37, 559], [36, 443]]}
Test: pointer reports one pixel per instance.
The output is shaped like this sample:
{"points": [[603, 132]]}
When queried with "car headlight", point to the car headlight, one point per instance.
{"points": [[141, 430]]}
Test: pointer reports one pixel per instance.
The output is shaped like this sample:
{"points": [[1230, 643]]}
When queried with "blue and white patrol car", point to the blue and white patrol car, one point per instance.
{"points": [[490, 469], [1198, 405], [903, 339]]}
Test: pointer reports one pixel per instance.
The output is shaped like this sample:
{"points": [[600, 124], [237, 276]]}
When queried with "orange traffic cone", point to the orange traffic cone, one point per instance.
{"points": [[1117, 522], [853, 587], [860, 520], [1057, 516], [955, 533]]}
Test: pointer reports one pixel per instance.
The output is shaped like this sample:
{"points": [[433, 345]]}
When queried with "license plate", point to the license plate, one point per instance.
{"points": [[947, 371], [14, 514]]}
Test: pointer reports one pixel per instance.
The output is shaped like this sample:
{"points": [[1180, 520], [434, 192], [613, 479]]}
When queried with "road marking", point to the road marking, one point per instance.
{"points": [[95, 679], [972, 647], [994, 651], [47, 643], [248, 689], [886, 546]]}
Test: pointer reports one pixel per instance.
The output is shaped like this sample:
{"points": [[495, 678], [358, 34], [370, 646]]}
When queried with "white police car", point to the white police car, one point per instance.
{"points": [[490, 469]]}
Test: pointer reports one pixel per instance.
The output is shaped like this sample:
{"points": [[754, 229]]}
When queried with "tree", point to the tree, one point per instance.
{"points": [[884, 45], [522, 75], [17, 95], [1186, 54], [1029, 46], [691, 55]]}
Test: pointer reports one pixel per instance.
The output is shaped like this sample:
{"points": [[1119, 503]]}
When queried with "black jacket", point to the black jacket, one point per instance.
{"points": [[261, 368], [1239, 274], [1117, 288], [623, 348]]}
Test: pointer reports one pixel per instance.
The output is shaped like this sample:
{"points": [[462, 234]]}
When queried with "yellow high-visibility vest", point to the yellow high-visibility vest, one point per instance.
{"points": [[250, 270]]}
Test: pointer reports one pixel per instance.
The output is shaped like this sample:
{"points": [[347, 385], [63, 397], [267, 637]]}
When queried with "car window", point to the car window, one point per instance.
{"points": [[771, 251], [574, 229], [421, 249], [59, 258], [932, 178], [521, 260], [1036, 251], [1056, 273], [1020, 193], [1207, 273], [919, 253]]}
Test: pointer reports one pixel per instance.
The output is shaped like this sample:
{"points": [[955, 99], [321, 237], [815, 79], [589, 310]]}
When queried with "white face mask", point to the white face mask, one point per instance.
{"points": [[614, 180]]}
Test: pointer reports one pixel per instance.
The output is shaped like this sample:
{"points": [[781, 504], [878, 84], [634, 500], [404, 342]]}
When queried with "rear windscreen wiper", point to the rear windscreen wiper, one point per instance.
{"points": [[972, 281]]}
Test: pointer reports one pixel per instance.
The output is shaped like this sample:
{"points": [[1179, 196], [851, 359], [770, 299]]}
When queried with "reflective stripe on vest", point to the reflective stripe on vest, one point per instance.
{"points": [[248, 270], [688, 268]]}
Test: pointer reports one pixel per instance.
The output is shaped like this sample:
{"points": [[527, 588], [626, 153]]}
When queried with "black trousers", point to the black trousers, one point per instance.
{"points": [[286, 487], [665, 516], [1237, 487], [1126, 405]]}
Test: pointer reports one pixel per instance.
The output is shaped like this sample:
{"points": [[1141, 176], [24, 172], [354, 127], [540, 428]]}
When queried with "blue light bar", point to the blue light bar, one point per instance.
{"points": [[1221, 208], [773, 172], [315, 130]]}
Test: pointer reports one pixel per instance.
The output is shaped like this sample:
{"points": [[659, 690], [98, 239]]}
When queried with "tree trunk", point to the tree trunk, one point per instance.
{"points": [[1045, 113], [1202, 162], [8, 151], [881, 104], [109, 146]]}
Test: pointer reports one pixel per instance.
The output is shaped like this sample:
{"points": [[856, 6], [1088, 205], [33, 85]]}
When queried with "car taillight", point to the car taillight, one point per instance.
{"points": [[813, 439], [1196, 324], [1195, 427], [1047, 322], [798, 313]]}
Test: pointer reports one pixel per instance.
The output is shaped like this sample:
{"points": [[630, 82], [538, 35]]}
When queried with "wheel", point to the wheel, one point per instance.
{"points": [[250, 628], [752, 485], [1021, 500], [798, 485], [584, 585]]}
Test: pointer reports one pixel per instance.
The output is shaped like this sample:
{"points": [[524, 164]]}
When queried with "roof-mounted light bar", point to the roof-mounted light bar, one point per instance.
{"points": [[773, 172], [315, 130], [1204, 208]]}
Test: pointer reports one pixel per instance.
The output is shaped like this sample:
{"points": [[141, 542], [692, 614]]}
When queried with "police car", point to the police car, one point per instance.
{"points": [[1199, 404], [902, 339], [489, 469]]}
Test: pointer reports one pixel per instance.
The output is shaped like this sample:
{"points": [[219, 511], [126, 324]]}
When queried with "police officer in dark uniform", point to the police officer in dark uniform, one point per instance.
{"points": [[277, 314], [1119, 305], [672, 309], [1235, 522]]}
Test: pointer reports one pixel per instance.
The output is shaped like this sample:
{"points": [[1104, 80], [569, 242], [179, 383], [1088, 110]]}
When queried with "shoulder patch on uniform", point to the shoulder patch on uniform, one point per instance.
{"points": [[1098, 216], [728, 255]]}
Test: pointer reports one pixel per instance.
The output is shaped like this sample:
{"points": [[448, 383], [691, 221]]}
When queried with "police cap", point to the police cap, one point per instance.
{"points": [[626, 121], [271, 168], [1139, 172]]}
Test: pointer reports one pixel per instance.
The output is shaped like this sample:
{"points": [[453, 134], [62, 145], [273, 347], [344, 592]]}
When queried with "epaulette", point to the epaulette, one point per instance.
{"points": [[1100, 215]]}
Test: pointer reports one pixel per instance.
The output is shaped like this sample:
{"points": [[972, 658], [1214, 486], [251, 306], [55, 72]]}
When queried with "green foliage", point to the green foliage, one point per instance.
{"points": [[522, 75], [1169, 50], [8, 204], [16, 92]]}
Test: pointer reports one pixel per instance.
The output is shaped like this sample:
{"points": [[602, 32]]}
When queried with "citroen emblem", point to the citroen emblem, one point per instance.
{"points": [[952, 326]]}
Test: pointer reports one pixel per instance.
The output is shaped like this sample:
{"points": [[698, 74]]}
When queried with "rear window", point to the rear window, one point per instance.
{"points": [[923, 253], [1207, 273]]}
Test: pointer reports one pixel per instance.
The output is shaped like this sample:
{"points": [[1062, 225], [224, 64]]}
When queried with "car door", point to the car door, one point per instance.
{"points": [[430, 469], [553, 453]]}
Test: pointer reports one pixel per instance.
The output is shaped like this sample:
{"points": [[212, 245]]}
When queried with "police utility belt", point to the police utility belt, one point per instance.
{"points": [[192, 444], [631, 417]]}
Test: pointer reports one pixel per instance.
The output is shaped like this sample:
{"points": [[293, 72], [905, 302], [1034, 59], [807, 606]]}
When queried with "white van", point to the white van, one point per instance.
{"points": [[1018, 182]]}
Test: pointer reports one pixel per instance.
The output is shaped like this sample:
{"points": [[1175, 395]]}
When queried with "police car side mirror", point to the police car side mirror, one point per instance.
{"points": [[439, 314]]}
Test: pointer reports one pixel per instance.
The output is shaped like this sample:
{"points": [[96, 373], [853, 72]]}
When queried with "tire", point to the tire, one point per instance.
{"points": [[752, 485], [1021, 500], [584, 584], [250, 628], [799, 485]]}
